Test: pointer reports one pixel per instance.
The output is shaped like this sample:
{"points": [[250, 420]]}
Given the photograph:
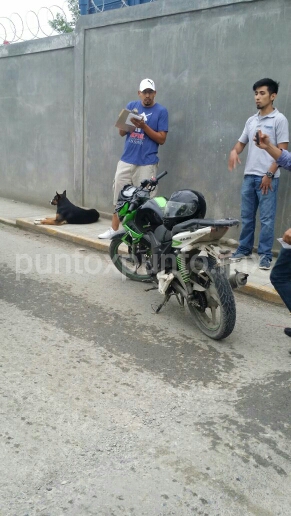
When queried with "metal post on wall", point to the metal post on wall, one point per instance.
{"points": [[88, 7], [84, 6]]}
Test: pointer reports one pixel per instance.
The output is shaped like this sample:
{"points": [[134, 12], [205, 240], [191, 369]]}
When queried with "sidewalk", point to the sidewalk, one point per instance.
{"points": [[22, 215]]}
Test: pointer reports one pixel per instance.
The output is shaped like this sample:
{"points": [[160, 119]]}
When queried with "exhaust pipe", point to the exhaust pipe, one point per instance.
{"points": [[238, 279]]}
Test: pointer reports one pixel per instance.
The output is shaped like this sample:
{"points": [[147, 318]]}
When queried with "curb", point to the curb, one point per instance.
{"points": [[8, 222], [266, 294], [63, 235], [263, 293]]}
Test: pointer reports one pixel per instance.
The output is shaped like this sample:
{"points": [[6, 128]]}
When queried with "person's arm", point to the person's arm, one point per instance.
{"points": [[287, 236], [284, 160], [233, 159], [157, 136], [279, 153], [122, 133], [266, 183]]}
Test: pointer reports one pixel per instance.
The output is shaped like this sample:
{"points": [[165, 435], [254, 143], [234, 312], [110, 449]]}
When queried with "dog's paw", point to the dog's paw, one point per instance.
{"points": [[37, 222]]}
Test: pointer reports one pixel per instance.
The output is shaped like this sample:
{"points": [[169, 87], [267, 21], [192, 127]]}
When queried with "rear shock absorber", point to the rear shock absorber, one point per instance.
{"points": [[182, 267]]}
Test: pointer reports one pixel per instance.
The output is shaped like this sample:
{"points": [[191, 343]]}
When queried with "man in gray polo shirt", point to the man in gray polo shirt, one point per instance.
{"points": [[261, 175]]}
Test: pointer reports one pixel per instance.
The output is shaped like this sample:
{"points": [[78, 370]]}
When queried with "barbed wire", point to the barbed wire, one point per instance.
{"points": [[35, 25]]}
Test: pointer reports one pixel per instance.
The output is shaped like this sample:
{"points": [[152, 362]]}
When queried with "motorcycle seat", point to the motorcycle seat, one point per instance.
{"points": [[194, 224]]}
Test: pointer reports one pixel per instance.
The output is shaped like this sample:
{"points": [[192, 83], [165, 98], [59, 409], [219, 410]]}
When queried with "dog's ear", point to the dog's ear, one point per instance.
{"points": [[65, 193]]}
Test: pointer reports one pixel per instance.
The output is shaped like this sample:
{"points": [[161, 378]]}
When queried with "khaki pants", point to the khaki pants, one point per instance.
{"points": [[127, 174]]}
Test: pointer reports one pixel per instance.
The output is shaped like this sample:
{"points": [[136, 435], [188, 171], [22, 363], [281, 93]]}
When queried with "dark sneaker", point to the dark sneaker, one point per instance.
{"points": [[237, 256], [287, 331], [265, 264]]}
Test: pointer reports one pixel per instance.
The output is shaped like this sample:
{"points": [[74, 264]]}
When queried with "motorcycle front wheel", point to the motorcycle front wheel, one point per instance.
{"points": [[214, 310], [131, 260]]}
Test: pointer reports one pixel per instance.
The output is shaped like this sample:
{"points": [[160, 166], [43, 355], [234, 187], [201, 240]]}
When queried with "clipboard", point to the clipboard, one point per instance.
{"points": [[123, 122]]}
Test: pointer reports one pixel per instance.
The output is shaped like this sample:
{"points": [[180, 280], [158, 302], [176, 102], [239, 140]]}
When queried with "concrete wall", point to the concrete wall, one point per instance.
{"points": [[37, 118], [62, 96]]}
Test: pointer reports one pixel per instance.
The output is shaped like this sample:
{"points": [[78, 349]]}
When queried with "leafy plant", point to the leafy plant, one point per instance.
{"points": [[60, 23]]}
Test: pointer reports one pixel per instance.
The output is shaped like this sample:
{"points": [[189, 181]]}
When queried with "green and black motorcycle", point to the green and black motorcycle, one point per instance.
{"points": [[170, 243]]}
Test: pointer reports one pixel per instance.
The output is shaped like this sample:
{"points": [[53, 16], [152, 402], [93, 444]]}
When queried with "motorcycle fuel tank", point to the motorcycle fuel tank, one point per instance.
{"points": [[150, 214]]}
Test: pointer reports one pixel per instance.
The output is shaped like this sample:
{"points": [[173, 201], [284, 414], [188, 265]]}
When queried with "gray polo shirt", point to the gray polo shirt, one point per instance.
{"points": [[275, 125]]}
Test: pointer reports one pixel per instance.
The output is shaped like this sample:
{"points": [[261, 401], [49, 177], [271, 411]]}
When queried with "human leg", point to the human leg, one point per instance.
{"points": [[267, 209], [281, 276], [123, 176], [129, 174], [249, 205]]}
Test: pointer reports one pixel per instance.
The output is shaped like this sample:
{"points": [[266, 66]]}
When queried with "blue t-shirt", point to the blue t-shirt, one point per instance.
{"points": [[139, 149]]}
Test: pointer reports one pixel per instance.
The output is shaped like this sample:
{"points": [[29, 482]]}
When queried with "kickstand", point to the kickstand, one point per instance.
{"points": [[152, 288], [180, 300], [166, 299]]}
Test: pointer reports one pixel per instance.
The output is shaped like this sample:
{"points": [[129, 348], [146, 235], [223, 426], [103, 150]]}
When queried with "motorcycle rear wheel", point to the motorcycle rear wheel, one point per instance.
{"points": [[216, 314], [127, 260]]}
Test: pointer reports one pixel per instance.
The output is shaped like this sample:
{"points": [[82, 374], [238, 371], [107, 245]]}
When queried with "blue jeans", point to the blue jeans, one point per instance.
{"points": [[252, 199], [281, 276]]}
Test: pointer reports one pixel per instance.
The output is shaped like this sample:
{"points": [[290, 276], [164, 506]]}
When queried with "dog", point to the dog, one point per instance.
{"points": [[68, 213]]}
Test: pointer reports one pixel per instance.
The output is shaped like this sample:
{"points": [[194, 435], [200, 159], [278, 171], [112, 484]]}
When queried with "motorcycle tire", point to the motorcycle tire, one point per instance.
{"points": [[128, 263], [216, 314]]}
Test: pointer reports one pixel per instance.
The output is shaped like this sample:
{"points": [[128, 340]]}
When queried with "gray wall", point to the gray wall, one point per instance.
{"points": [[60, 97], [37, 119]]}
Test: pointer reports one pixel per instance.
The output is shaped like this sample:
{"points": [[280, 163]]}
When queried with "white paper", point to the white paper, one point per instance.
{"points": [[284, 244], [132, 115]]}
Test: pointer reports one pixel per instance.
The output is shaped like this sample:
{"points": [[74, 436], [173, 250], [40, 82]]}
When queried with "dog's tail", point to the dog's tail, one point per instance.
{"points": [[92, 215]]}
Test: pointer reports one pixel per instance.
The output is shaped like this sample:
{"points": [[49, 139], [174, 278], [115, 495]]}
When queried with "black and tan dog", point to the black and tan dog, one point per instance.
{"points": [[68, 213]]}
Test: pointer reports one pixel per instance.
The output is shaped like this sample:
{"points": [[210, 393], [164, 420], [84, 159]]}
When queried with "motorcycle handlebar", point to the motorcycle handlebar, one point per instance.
{"points": [[147, 182], [154, 180], [162, 174]]}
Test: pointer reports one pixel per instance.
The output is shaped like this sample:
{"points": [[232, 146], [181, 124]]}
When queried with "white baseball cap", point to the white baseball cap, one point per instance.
{"points": [[147, 84]]}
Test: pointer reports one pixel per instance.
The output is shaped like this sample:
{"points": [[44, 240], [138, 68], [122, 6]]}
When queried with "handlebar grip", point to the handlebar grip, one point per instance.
{"points": [[162, 174], [153, 181]]}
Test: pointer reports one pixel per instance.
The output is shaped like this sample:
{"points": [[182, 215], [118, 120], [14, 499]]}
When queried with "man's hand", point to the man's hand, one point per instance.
{"points": [[287, 236], [233, 160], [273, 150], [266, 185], [264, 141], [138, 123]]}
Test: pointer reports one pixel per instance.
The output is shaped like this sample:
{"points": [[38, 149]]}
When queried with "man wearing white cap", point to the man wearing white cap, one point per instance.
{"points": [[140, 156]]}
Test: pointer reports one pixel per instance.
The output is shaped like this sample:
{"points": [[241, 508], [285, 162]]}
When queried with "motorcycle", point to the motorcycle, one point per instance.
{"points": [[170, 243]]}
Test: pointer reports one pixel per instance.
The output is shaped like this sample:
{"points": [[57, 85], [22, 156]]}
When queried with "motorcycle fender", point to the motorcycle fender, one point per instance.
{"points": [[122, 233], [119, 234], [198, 287], [208, 251]]}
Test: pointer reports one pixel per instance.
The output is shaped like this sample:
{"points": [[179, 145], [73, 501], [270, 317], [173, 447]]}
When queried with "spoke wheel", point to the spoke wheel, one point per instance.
{"points": [[214, 310], [131, 260]]}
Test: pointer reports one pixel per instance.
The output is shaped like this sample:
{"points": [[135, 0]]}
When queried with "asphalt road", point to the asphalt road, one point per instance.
{"points": [[109, 410]]}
